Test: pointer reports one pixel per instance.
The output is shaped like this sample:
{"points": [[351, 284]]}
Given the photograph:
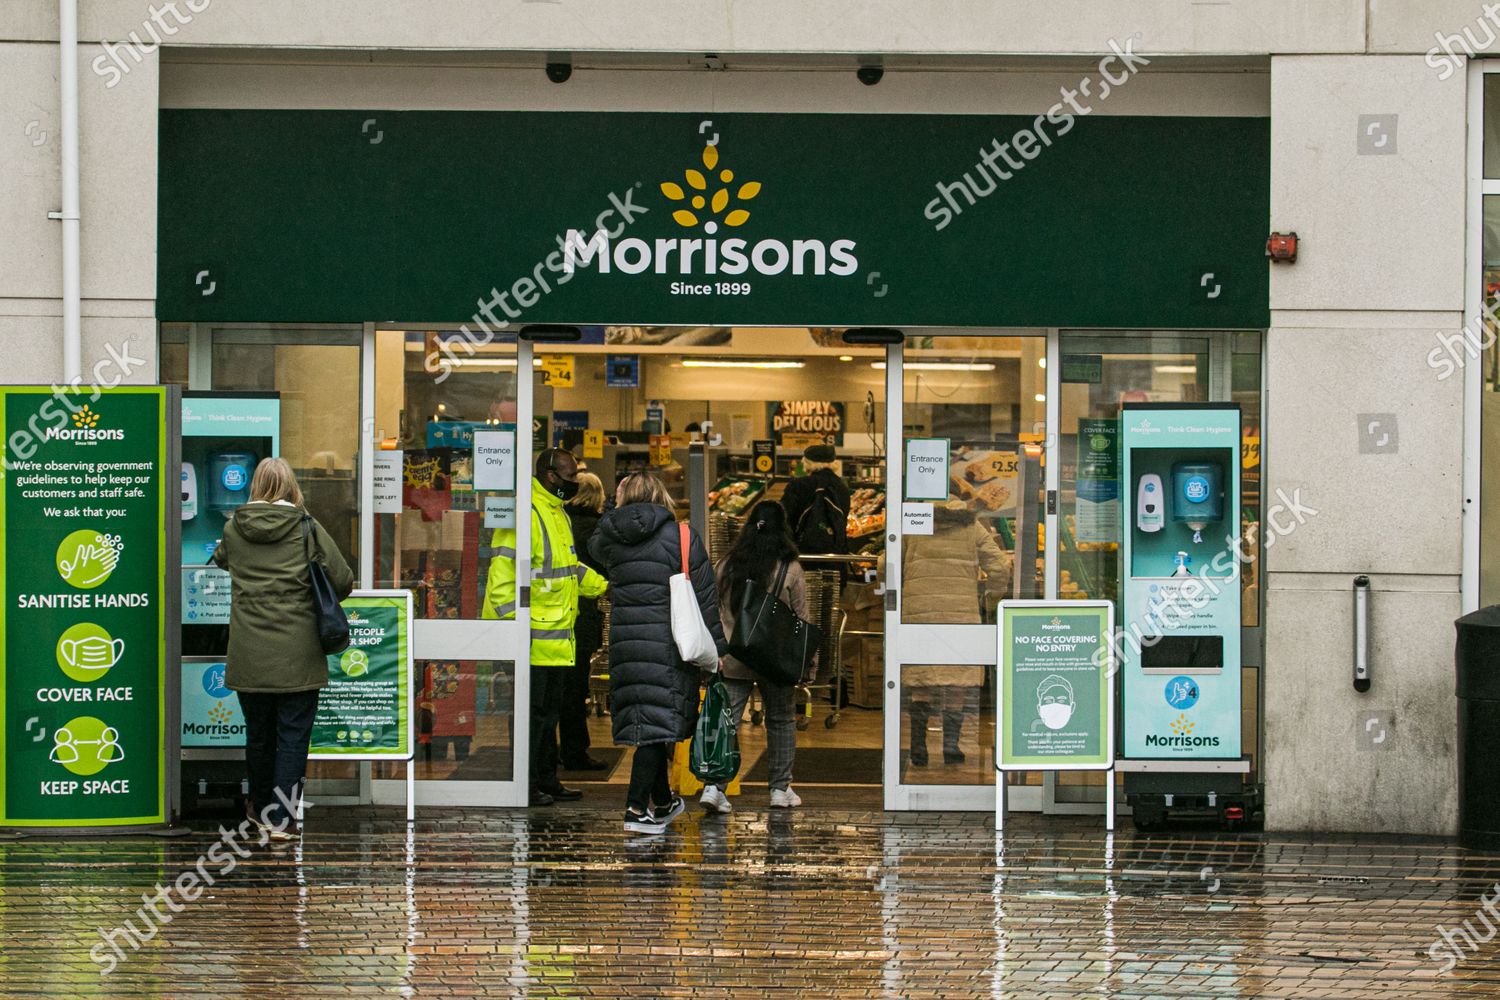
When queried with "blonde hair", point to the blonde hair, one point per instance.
{"points": [[644, 487], [590, 493], [274, 480]]}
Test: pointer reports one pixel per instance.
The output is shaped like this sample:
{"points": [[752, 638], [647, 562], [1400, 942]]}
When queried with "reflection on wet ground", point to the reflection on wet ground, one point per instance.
{"points": [[857, 904]]}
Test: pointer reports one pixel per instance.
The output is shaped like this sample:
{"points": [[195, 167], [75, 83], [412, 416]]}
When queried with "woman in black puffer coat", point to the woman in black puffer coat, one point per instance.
{"points": [[653, 694]]}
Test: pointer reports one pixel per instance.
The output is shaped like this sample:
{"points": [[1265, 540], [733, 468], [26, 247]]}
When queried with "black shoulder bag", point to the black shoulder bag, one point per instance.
{"points": [[770, 638], [333, 624]]}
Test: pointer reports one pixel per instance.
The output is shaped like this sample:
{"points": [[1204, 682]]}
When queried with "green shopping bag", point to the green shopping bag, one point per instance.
{"points": [[715, 754]]}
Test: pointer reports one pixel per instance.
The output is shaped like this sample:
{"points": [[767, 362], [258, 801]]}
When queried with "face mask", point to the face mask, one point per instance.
{"points": [[94, 653], [565, 489], [1056, 715]]}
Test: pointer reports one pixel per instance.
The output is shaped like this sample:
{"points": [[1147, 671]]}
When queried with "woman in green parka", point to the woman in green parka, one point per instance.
{"points": [[275, 663]]}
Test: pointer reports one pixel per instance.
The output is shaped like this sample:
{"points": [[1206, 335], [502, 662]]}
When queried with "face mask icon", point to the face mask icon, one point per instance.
{"points": [[1054, 701], [86, 652], [93, 653]]}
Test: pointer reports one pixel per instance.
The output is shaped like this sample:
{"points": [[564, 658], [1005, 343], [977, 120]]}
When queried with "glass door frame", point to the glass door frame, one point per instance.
{"points": [[462, 639]]}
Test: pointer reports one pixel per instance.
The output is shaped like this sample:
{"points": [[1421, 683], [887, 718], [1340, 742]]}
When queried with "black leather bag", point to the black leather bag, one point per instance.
{"points": [[770, 638], [333, 624]]}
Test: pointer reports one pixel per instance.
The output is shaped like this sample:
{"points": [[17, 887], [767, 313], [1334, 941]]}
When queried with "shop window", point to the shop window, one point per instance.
{"points": [[172, 355], [1489, 499], [316, 374]]}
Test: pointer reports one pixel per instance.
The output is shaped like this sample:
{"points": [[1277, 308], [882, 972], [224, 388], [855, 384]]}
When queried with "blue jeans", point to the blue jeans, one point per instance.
{"points": [[278, 728]]}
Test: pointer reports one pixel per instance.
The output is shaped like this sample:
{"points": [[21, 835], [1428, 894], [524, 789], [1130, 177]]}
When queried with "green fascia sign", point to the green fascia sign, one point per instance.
{"points": [[712, 219], [1056, 688], [365, 711], [83, 552]]}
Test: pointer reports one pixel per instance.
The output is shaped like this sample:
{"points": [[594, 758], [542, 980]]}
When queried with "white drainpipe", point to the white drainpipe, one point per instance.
{"points": [[71, 292]]}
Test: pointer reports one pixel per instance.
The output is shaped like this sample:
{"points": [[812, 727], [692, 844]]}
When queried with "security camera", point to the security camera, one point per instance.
{"points": [[869, 75], [558, 72]]}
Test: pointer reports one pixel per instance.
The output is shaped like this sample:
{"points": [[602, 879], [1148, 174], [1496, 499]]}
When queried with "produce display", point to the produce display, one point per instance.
{"points": [[734, 495], [866, 511]]}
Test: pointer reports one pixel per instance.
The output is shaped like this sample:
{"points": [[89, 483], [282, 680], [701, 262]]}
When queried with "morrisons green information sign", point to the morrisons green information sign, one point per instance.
{"points": [[83, 556], [1056, 690], [365, 711]]}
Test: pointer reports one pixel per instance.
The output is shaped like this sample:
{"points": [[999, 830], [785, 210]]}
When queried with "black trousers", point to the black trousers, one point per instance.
{"points": [[546, 701], [648, 777], [278, 728], [573, 719]]}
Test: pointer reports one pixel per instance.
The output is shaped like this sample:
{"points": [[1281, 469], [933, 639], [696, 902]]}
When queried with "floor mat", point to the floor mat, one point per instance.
{"points": [[825, 766], [610, 756]]}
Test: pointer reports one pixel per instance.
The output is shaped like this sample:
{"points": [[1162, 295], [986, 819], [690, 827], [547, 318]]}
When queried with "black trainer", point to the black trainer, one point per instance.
{"points": [[671, 811], [562, 793], [643, 823]]}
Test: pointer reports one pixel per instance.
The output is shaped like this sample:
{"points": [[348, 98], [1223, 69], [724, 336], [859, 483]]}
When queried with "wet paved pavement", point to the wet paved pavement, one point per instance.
{"points": [[807, 904]]}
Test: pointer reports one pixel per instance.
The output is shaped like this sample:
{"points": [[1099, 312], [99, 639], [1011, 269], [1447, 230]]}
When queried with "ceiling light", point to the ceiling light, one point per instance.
{"points": [[846, 357], [1041, 397], [940, 366], [1177, 369], [1041, 362], [721, 363]]}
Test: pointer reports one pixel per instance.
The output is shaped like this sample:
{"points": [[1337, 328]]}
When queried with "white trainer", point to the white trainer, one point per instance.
{"points": [[784, 798], [714, 800]]}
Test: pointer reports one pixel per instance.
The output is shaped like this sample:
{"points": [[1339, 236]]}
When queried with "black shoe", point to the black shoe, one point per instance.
{"points": [[953, 757], [586, 764], [918, 756], [538, 798], [644, 823], [667, 813], [561, 793]]}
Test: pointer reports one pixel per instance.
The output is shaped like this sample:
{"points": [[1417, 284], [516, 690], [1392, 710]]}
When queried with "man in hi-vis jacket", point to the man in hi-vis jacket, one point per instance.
{"points": [[557, 579]]}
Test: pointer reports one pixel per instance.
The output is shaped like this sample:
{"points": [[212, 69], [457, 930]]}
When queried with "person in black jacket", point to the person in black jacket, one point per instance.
{"points": [[653, 694], [583, 513], [817, 505]]}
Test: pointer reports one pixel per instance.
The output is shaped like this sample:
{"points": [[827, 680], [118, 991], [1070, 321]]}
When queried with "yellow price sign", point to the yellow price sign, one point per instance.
{"points": [[557, 370], [593, 444]]}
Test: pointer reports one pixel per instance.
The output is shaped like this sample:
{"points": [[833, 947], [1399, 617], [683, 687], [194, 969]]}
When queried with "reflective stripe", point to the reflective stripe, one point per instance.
{"points": [[551, 633], [500, 550], [553, 574], [546, 571], [581, 571], [508, 608]]}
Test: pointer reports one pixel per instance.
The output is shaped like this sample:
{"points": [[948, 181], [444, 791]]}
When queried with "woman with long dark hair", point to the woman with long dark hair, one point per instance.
{"points": [[757, 558]]}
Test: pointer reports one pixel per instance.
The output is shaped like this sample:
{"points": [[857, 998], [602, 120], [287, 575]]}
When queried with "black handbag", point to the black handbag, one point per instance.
{"points": [[770, 638], [333, 624]]}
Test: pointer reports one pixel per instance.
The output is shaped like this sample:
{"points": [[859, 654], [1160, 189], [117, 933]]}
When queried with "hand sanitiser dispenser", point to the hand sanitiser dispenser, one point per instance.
{"points": [[229, 485], [1197, 495], [1149, 498]]}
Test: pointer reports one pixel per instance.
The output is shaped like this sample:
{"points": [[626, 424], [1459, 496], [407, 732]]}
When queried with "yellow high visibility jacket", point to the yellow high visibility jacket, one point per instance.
{"points": [[557, 579]]}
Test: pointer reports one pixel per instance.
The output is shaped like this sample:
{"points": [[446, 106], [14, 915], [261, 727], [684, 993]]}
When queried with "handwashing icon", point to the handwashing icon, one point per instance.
{"points": [[86, 558]]}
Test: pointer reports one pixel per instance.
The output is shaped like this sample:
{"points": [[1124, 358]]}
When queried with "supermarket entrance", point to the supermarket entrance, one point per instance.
{"points": [[732, 419]]}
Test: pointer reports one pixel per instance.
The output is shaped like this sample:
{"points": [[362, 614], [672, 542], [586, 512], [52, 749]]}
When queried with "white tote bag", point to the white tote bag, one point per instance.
{"points": [[695, 643]]}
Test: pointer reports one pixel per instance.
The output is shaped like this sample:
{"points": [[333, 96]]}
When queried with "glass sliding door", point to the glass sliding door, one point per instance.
{"points": [[977, 535], [433, 522]]}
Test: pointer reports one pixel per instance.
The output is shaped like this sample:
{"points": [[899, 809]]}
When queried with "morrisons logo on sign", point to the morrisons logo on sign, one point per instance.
{"points": [[85, 429], [709, 201]]}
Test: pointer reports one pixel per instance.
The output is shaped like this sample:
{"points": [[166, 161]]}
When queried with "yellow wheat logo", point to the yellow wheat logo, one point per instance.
{"points": [[219, 713], [85, 418], [705, 208], [1181, 726]]}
